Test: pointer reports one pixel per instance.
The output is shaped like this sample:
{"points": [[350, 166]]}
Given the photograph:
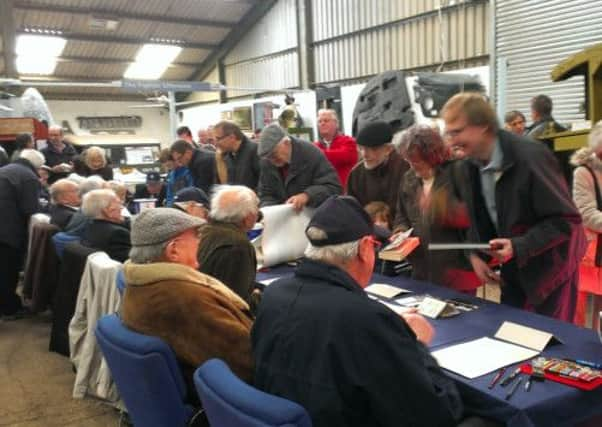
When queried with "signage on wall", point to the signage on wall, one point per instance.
{"points": [[98, 123]]}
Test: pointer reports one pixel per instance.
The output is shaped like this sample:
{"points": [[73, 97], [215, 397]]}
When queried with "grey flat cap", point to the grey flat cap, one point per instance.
{"points": [[270, 136], [158, 225]]}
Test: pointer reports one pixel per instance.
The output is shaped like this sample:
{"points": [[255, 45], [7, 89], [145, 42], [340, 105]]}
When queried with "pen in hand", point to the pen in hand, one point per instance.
{"points": [[513, 389]]}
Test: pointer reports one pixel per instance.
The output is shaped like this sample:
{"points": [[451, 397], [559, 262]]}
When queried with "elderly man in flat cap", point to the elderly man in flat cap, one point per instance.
{"points": [[198, 316], [378, 176], [293, 171], [318, 339]]}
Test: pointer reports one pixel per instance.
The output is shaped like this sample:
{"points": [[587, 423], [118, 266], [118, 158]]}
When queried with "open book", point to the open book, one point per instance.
{"points": [[400, 248]]}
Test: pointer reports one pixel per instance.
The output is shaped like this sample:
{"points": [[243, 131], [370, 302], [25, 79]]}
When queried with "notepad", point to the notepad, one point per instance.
{"points": [[481, 356], [385, 291]]}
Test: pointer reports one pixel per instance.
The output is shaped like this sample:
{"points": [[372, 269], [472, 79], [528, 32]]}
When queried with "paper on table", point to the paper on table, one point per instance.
{"points": [[267, 282], [283, 238], [384, 290], [481, 356]]}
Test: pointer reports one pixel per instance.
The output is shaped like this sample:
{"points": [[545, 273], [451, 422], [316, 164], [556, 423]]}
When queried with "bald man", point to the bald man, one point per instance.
{"points": [[58, 154], [225, 251], [65, 199]]}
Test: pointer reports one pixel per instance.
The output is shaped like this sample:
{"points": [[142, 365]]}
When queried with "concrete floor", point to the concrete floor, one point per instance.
{"points": [[36, 385]]}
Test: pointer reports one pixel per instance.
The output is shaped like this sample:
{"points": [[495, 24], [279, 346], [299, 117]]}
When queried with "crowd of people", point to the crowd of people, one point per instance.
{"points": [[315, 337]]}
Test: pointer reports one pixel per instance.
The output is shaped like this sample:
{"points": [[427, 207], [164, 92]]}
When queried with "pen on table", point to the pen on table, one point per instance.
{"points": [[528, 384], [585, 363], [513, 389], [497, 377], [510, 378]]}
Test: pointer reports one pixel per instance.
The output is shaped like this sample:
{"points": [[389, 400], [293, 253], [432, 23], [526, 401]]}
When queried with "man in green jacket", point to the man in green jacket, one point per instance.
{"points": [[226, 252]]}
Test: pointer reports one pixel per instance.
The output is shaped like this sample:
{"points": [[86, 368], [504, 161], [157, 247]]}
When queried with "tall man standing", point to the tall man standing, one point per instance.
{"points": [[519, 203], [238, 153], [339, 149], [58, 154], [200, 163]]}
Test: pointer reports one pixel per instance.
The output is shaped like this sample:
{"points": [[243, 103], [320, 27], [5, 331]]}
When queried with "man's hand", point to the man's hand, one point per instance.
{"points": [[483, 271], [502, 249], [63, 167], [422, 328], [298, 201]]}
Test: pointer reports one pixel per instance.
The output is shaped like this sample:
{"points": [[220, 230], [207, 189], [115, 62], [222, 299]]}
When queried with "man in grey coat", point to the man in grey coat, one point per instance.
{"points": [[293, 171]]}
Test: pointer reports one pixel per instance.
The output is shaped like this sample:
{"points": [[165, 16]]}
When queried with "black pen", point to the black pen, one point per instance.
{"points": [[497, 378], [511, 378], [513, 389]]}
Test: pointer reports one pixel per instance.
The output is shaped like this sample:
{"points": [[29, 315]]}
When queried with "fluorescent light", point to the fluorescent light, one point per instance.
{"points": [[33, 65], [40, 46], [151, 61], [36, 54]]}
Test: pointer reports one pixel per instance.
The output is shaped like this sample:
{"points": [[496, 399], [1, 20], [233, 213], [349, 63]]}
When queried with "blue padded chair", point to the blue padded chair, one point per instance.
{"points": [[120, 280], [146, 373], [229, 401], [60, 240]]}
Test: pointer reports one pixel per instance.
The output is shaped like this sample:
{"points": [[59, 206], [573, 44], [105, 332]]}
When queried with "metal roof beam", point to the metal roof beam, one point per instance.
{"points": [[124, 40], [178, 20], [115, 61]]}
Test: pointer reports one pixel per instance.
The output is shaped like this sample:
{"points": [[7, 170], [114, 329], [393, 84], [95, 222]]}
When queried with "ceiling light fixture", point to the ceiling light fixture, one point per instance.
{"points": [[151, 61], [37, 54]]}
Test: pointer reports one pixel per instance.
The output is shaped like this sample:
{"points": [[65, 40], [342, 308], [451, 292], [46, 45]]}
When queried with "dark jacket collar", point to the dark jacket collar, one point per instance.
{"points": [[27, 164], [506, 141], [327, 274]]}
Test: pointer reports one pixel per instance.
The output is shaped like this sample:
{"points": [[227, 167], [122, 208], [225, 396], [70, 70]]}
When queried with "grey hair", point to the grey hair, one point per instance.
{"points": [[33, 156], [119, 188], [148, 254], [56, 127], [337, 255], [595, 137], [59, 187], [95, 201], [232, 203], [330, 111], [93, 182], [95, 151]]}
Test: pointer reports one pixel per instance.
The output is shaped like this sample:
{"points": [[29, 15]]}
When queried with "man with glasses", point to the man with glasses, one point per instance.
{"points": [[293, 171], [200, 163], [320, 341], [519, 203], [239, 155], [199, 317]]}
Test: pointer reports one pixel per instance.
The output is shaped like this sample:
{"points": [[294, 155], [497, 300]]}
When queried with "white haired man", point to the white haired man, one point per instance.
{"points": [[318, 339], [226, 252], [58, 154], [64, 195], [106, 231], [339, 149], [19, 198], [79, 220], [198, 316]]}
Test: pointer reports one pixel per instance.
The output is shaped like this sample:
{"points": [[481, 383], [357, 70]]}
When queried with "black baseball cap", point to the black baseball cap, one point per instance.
{"points": [[342, 219], [153, 177], [375, 134], [192, 194]]}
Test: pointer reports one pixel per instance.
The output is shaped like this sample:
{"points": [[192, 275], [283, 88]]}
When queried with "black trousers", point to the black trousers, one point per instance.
{"points": [[11, 260]]}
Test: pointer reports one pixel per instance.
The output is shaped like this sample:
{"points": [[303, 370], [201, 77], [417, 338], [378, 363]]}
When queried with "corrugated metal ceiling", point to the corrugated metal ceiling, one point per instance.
{"points": [[105, 55]]}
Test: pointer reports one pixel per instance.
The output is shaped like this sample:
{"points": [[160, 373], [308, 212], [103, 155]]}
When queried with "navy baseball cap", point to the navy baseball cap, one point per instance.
{"points": [[341, 219], [153, 177], [192, 194]]}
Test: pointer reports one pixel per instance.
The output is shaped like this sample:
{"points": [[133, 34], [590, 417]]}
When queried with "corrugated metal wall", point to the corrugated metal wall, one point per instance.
{"points": [[355, 38], [267, 57], [532, 37], [213, 77]]}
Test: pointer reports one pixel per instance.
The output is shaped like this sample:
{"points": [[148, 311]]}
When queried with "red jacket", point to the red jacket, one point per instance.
{"points": [[342, 154]]}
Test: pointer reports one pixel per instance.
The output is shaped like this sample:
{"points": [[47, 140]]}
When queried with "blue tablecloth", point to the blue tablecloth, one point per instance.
{"points": [[548, 403]]}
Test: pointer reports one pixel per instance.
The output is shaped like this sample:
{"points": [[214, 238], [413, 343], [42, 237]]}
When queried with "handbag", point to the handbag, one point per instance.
{"points": [[598, 259]]}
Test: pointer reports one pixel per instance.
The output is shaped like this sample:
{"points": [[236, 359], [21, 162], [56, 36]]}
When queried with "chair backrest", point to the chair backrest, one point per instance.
{"points": [[60, 240], [146, 373], [229, 401], [120, 280]]}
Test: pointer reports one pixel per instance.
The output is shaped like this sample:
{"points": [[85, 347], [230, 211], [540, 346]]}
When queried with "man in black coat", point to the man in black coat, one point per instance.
{"points": [[19, 199], [65, 198], [107, 231], [318, 339], [200, 162], [59, 154], [153, 189], [519, 202], [239, 154], [294, 171]]}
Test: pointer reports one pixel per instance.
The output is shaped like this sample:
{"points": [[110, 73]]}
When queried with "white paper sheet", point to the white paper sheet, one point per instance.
{"points": [[384, 290], [283, 237], [481, 356]]}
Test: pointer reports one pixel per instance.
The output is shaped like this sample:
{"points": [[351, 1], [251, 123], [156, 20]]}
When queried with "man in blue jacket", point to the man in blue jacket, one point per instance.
{"points": [[318, 339]]}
